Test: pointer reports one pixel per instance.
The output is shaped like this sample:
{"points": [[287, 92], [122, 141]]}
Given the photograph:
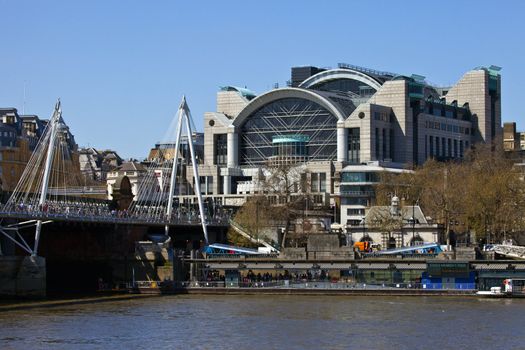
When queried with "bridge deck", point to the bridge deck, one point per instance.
{"points": [[222, 222]]}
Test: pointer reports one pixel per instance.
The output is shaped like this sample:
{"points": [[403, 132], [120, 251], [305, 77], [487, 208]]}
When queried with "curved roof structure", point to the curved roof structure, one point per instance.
{"points": [[277, 94], [249, 94], [341, 73]]}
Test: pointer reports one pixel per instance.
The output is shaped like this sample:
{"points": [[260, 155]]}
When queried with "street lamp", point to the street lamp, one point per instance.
{"points": [[413, 222], [364, 226]]}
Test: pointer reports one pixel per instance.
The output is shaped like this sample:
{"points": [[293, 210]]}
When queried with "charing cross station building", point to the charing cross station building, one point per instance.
{"points": [[343, 127]]}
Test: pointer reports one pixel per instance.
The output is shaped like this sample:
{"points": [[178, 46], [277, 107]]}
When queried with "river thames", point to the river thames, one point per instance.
{"points": [[270, 322]]}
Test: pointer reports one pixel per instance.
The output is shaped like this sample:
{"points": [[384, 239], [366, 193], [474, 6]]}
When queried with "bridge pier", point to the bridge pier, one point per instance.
{"points": [[77, 257], [23, 276]]}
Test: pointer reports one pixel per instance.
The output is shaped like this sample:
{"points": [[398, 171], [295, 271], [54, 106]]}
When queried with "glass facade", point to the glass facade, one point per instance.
{"points": [[284, 117], [359, 177], [290, 146]]}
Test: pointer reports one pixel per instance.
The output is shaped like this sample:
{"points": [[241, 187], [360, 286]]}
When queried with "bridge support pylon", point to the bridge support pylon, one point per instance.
{"points": [[184, 115]]}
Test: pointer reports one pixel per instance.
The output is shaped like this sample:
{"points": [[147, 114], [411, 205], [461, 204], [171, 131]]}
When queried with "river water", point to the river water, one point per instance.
{"points": [[270, 322]]}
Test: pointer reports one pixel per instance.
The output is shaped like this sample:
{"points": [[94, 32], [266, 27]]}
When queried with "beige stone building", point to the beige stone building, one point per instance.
{"points": [[328, 120]]}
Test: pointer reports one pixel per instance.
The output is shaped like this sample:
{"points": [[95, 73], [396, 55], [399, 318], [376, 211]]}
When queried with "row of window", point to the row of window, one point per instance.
{"points": [[355, 201], [357, 190], [384, 144], [359, 177], [436, 146], [382, 116], [447, 127], [354, 211], [8, 134], [290, 149], [440, 110]]}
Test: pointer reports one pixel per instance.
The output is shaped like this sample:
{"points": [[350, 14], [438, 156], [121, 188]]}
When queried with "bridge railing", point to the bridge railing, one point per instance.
{"points": [[100, 213], [323, 284]]}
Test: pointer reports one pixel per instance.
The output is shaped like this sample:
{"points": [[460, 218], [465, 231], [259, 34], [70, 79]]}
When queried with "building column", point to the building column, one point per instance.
{"points": [[226, 184], [232, 147], [342, 142]]}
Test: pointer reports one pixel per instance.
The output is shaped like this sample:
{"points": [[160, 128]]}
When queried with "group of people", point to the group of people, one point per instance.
{"points": [[319, 275], [103, 211]]}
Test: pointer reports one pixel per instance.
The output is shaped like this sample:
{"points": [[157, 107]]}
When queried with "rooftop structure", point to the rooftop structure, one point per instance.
{"points": [[95, 164]]}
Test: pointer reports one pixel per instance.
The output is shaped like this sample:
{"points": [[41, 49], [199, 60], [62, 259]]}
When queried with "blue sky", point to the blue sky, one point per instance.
{"points": [[121, 67]]}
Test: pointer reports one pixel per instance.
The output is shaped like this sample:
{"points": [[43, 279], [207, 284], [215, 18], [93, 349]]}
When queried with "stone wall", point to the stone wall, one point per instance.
{"points": [[326, 247], [22, 276]]}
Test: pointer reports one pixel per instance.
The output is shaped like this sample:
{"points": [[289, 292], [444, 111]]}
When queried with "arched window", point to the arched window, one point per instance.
{"points": [[293, 118]]}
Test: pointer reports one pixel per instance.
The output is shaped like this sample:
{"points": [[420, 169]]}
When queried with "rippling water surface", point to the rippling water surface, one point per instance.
{"points": [[271, 322]]}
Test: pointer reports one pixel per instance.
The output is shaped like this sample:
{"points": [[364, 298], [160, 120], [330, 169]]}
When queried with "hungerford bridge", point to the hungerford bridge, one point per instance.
{"points": [[48, 189]]}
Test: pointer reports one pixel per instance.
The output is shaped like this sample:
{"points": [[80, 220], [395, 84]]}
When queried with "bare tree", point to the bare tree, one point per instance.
{"points": [[287, 187], [386, 221]]}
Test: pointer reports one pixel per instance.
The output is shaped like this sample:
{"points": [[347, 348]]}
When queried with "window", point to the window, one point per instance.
{"points": [[391, 144], [352, 211], [384, 143], [437, 147], [322, 184], [355, 201], [377, 144], [359, 177], [431, 146], [354, 145], [318, 182], [357, 190], [382, 116], [449, 148], [287, 116], [314, 179], [221, 149]]}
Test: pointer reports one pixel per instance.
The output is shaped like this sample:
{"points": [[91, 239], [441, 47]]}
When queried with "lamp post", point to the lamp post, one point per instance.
{"points": [[364, 226]]}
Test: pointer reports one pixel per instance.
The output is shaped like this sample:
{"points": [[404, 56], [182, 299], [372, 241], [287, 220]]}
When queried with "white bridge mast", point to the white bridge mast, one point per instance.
{"points": [[47, 170], [185, 115]]}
